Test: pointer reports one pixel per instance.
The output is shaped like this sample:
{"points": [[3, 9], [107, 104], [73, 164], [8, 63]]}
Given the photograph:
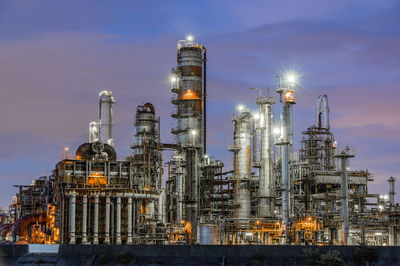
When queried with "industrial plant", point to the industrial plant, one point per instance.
{"points": [[268, 194]]}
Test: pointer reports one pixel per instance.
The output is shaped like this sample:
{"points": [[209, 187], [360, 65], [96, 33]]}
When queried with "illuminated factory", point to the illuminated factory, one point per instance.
{"points": [[267, 195]]}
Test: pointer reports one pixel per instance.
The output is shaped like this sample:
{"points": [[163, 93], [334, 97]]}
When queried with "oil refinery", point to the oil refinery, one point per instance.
{"points": [[268, 194]]}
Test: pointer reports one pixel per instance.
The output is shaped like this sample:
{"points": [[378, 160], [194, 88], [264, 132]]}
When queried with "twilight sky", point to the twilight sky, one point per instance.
{"points": [[57, 55]]}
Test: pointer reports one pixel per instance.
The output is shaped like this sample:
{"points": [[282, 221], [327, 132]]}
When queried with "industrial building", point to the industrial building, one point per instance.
{"points": [[267, 195]]}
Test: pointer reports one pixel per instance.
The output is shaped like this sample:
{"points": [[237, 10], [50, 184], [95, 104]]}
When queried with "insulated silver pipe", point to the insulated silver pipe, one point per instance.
{"points": [[84, 219], [242, 143], [318, 122], [179, 215], [344, 156], [72, 218], [106, 100], [96, 220], [107, 233], [391, 192], [118, 240], [93, 132], [284, 164], [129, 240], [345, 201], [325, 110], [265, 173]]}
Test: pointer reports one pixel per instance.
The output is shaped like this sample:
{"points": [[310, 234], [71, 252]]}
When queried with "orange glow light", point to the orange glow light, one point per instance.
{"points": [[189, 95]]}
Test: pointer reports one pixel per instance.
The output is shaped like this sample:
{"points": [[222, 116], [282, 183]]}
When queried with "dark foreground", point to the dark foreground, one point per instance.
{"points": [[200, 255]]}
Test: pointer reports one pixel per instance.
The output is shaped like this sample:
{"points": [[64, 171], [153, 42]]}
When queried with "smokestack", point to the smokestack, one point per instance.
{"points": [[106, 100]]}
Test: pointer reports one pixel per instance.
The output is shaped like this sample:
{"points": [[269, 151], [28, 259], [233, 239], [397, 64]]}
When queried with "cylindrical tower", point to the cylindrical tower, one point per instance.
{"points": [[106, 100], [146, 153], [145, 127], [188, 85], [266, 178], [242, 167]]}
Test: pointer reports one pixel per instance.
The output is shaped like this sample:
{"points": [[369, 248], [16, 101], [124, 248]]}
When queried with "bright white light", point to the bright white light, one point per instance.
{"points": [[66, 149], [193, 132], [276, 131], [378, 234], [256, 116], [173, 79], [291, 78], [386, 197], [240, 107], [189, 38], [380, 207], [205, 156]]}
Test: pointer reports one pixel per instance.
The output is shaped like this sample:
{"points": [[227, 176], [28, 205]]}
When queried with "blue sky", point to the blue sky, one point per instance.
{"points": [[57, 55]]}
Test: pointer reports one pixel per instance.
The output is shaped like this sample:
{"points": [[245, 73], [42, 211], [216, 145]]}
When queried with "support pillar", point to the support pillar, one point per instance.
{"points": [[84, 220], [118, 241], [107, 233], [129, 240], [72, 218], [96, 220]]}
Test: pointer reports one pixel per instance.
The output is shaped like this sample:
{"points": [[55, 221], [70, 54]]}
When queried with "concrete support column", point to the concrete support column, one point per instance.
{"points": [[392, 234], [72, 205], [107, 233], [84, 219], [118, 240], [96, 220], [129, 240]]}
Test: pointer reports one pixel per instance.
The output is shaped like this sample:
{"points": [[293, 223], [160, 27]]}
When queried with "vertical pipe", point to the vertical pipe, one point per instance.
{"points": [[325, 109], [106, 100], [180, 198], [84, 219], [118, 241], [284, 169], [391, 192], [107, 233], [242, 142], [345, 202], [129, 240], [265, 173], [72, 218], [96, 220], [93, 132], [318, 123], [205, 102]]}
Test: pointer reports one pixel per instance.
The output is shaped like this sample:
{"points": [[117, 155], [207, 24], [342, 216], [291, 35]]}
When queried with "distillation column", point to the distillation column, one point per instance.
{"points": [[106, 100], [287, 99], [265, 173], [242, 161], [344, 156], [188, 84]]}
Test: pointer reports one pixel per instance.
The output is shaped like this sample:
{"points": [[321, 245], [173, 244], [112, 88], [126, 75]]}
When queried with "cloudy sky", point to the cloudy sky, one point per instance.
{"points": [[57, 55]]}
